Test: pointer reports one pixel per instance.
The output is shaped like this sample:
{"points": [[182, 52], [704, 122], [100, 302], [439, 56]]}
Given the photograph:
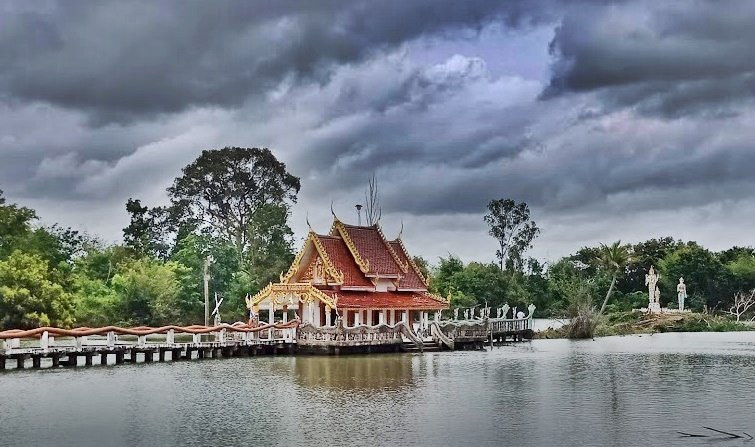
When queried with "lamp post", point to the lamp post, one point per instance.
{"points": [[359, 213], [206, 275]]}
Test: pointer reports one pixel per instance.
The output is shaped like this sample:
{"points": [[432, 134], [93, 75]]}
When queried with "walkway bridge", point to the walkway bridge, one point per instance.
{"points": [[116, 345]]}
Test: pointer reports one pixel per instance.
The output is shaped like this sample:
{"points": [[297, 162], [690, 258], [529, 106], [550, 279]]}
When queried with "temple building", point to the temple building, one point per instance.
{"points": [[353, 274]]}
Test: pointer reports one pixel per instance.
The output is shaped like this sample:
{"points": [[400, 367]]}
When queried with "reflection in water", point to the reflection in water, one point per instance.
{"points": [[618, 391], [354, 372]]}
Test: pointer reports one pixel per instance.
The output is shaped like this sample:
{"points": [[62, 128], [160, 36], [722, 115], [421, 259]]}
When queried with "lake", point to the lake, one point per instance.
{"points": [[617, 391]]}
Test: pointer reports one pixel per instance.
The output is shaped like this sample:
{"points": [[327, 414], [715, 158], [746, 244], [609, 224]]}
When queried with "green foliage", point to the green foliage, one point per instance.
{"points": [[149, 292], [707, 279], [29, 295], [146, 232], [96, 304], [614, 259], [512, 228], [270, 243], [742, 270]]}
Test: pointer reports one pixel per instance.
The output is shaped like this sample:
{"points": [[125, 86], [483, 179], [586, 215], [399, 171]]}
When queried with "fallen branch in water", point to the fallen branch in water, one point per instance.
{"points": [[728, 434]]}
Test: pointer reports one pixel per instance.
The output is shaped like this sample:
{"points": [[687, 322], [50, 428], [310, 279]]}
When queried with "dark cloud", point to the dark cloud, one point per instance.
{"points": [[665, 58], [120, 60], [641, 111]]}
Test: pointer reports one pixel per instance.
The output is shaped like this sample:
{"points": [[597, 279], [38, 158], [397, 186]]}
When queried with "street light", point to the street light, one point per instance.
{"points": [[359, 212]]}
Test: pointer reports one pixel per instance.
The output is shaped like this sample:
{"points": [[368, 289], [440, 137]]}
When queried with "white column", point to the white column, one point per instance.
{"points": [[271, 320], [405, 316], [357, 314], [327, 316], [369, 317], [393, 317], [311, 313], [381, 316], [423, 320]]}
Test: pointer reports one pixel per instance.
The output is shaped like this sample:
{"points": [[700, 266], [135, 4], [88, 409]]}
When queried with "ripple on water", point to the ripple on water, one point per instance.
{"points": [[611, 391]]}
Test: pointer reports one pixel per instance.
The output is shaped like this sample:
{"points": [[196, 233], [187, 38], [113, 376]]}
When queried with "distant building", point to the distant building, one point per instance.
{"points": [[353, 273]]}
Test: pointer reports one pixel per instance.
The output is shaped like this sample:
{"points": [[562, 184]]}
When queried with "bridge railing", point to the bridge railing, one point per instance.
{"points": [[339, 335], [499, 325], [46, 339]]}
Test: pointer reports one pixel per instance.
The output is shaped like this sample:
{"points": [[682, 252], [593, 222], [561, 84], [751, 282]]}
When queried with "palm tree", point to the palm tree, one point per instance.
{"points": [[614, 258]]}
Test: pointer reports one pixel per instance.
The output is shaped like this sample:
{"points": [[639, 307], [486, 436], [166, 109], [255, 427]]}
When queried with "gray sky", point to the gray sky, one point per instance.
{"points": [[612, 119]]}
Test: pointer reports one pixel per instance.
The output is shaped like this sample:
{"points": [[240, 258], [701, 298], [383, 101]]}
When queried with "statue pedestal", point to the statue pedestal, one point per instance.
{"points": [[654, 308]]}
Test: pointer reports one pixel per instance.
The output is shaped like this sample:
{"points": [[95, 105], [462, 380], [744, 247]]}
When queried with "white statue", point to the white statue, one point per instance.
{"points": [[681, 293], [500, 312], [654, 295], [531, 309], [520, 315], [456, 313], [466, 314], [505, 310]]}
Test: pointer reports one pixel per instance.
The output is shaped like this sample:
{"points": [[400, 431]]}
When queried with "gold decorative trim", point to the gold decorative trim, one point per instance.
{"points": [[425, 281], [364, 264], [295, 264], [280, 292], [336, 274]]}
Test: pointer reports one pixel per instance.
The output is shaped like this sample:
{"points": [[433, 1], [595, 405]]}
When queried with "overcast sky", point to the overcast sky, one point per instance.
{"points": [[612, 120]]}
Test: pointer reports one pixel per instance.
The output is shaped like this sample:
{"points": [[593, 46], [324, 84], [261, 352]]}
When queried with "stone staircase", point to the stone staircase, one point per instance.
{"points": [[428, 346]]}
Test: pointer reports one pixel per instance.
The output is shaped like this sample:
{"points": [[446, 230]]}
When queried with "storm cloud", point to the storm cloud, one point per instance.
{"points": [[612, 119]]}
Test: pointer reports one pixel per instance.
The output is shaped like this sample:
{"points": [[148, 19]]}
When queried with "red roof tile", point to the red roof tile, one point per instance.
{"points": [[411, 279], [373, 247], [342, 259], [386, 300]]}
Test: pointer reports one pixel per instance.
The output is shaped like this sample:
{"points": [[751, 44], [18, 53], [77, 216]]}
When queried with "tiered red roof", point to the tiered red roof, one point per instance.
{"points": [[374, 248], [342, 259], [366, 259]]}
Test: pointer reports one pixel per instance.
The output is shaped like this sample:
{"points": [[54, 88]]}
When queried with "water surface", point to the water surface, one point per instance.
{"points": [[615, 391]]}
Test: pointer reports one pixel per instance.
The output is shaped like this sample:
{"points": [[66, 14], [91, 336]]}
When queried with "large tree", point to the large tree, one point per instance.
{"points": [[147, 230], [222, 189], [511, 226]]}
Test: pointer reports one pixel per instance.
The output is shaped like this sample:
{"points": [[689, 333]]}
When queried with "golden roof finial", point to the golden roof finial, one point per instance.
{"points": [[333, 212]]}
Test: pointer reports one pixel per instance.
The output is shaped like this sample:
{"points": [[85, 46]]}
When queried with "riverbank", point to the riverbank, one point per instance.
{"points": [[635, 322]]}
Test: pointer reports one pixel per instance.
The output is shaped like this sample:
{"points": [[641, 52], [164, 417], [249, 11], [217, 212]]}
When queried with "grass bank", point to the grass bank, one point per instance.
{"points": [[630, 323]]}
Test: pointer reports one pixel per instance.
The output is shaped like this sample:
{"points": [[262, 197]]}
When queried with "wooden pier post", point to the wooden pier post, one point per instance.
{"points": [[72, 359], [103, 358], [118, 357], [20, 361], [2, 363], [36, 361], [55, 360], [88, 358], [148, 356]]}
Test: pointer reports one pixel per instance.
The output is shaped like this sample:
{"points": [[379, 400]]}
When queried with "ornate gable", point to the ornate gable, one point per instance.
{"points": [[312, 262]]}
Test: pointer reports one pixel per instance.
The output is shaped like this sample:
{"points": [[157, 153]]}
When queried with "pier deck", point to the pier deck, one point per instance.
{"points": [[55, 347]]}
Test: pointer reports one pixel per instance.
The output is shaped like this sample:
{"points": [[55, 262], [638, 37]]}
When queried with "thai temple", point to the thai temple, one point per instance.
{"points": [[352, 276]]}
